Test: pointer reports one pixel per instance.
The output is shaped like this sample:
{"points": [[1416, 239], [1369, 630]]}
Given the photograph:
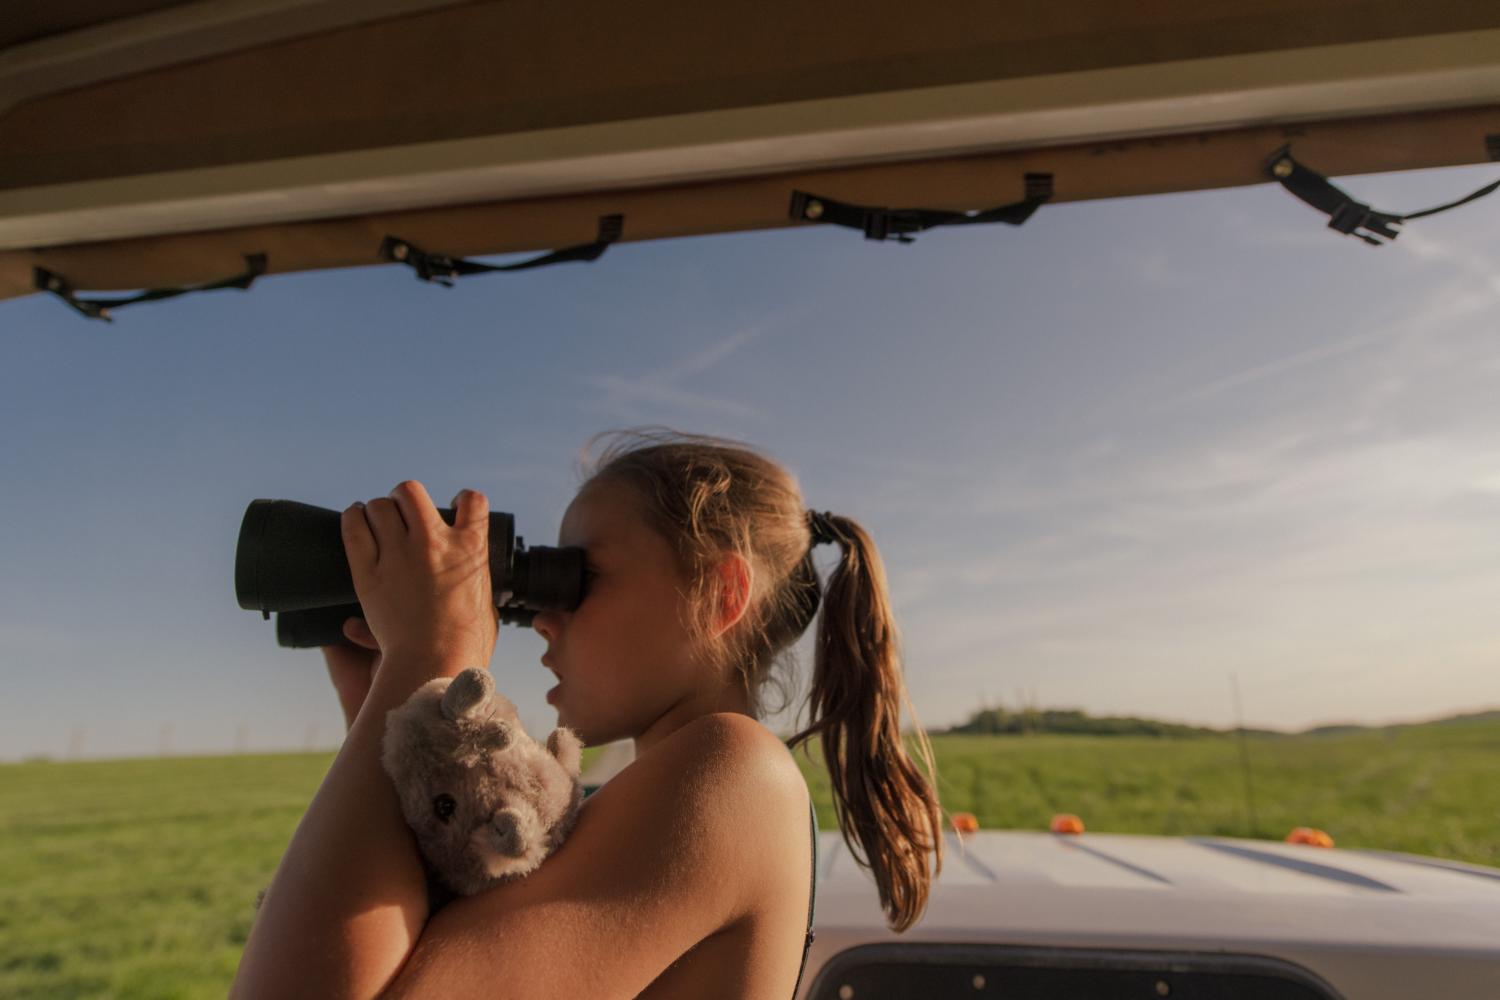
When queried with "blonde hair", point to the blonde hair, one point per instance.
{"points": [[712, 497]]}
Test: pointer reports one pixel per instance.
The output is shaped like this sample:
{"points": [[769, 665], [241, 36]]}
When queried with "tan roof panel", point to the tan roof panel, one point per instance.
{"points": [[28, 22], [489, 127]]}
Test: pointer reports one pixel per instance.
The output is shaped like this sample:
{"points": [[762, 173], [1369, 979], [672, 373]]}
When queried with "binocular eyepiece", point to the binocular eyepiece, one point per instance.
{"points": [[291, 560]]}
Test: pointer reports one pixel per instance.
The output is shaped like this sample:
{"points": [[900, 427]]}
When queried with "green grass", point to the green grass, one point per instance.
{"points": [[1423, 789], [137, 878]]}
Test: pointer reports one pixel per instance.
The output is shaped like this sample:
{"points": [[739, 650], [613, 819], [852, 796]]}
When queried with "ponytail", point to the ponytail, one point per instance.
{"points": [[709, 497], [887, 809]]}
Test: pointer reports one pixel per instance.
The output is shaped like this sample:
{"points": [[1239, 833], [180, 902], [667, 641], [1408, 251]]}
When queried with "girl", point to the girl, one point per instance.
{"points": [[687, 874]]}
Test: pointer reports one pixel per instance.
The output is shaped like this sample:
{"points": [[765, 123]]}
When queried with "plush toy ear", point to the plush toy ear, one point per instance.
{"points": [[497, 735], [565, 745], [467, 693]]}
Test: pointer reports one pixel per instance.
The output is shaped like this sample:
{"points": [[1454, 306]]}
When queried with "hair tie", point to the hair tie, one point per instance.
{"points": [[821, 526]]}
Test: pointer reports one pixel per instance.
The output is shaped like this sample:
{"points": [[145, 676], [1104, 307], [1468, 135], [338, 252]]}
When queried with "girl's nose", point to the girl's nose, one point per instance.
{"points": [[546, 624]]}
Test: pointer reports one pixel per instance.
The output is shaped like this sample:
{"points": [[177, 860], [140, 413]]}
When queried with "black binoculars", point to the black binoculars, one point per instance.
{"points": [[291, 560]]}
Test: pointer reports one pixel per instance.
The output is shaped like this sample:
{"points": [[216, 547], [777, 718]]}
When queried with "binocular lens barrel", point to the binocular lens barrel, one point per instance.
{"points": [[291, 559], [315, 626], [325, 626]]}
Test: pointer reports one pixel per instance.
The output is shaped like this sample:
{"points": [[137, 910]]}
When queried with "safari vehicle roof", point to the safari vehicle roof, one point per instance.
{"points": [[153, 144], [1368, 924]]}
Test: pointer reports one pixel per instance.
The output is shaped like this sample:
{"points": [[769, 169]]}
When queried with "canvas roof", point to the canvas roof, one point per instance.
{"points": [[150, 144]]}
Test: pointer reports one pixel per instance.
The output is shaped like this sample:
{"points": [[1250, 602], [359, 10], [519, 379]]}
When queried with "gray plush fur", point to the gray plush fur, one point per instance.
{"points": [[513, 801]]}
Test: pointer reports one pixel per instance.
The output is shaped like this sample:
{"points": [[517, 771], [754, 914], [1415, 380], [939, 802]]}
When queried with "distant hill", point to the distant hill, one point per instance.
{"points": [[1007, 722], [1492, 715], [1002, 721]]}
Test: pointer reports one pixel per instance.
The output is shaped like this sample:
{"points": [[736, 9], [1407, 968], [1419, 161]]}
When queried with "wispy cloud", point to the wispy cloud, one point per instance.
{"points": [[640, 398], [1472, 288], [1280, 366], [645, 395], [710, 355]]}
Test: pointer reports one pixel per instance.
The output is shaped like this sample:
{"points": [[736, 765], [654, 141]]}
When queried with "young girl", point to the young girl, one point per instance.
{"points": [[688, 873]]}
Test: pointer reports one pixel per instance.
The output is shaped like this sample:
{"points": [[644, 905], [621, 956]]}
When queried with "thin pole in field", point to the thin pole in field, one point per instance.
{"points": [[1239, 722]]}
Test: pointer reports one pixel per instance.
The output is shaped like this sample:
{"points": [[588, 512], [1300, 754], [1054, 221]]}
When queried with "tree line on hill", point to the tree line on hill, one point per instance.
{"points": [[1077, 722], [1004, 721]]}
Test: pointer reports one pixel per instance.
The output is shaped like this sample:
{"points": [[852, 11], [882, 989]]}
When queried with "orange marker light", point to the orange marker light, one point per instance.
{"points": [[1311, 836], [1066, 823], [965, 823]]}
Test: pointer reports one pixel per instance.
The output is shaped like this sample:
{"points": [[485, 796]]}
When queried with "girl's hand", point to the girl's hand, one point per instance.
{"points": [[352, 668], [424, 586]]}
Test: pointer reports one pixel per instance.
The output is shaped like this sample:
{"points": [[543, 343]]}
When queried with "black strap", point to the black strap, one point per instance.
{"points": [[49, 281], [1344, 213], [812, 898], [443, 269], [895, 223]]}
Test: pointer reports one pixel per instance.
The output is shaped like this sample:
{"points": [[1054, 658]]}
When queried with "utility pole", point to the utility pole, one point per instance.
{"points": [[1239, 722]]}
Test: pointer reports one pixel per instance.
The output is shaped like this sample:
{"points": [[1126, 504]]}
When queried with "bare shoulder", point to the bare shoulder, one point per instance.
{"points": [[736, 783], [693, 838], [719, 766], [719, 781], [735, 759], [726, 810]]}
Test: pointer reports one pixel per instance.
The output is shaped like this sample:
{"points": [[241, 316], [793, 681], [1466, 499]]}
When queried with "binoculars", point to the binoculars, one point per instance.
{"points": [[291, 560]]}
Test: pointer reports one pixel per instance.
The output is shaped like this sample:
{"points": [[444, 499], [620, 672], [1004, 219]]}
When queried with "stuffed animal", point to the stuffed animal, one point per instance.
{"points": [[486, 801]]}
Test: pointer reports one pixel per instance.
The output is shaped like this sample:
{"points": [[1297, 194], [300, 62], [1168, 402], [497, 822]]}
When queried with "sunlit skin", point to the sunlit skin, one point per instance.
{"points": [[625, 661], [696, 854], [624, 658]]}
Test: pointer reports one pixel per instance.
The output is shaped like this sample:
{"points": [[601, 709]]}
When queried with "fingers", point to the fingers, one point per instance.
{"points": [[418, 513], [357, 631], [471, 513], [359, 540], [385, 521]]}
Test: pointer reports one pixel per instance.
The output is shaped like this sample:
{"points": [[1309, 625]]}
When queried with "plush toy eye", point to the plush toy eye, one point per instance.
{"points": [[444, 805]]}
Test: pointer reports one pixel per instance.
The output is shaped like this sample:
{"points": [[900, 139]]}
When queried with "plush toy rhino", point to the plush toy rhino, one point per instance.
{"points": [[487, 802]]}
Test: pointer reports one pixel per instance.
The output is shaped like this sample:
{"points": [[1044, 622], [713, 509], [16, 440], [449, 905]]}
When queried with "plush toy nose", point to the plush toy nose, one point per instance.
{"points": [[508, 829]]}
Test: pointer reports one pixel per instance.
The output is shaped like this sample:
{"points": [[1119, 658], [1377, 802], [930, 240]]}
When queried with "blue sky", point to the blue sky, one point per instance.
{"points": [[1111, 457]]}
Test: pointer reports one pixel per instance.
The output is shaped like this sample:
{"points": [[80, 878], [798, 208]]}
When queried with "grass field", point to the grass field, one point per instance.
{"points": [[136, 878]]}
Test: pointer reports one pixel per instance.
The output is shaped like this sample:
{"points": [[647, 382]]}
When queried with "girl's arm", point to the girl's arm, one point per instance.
{"points": [[352, 668], [349, 899], [676, 848], [690, 840]]}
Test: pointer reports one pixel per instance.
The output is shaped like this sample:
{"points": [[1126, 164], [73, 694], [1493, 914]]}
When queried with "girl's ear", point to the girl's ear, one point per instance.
{"points": [[735, 577]]}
